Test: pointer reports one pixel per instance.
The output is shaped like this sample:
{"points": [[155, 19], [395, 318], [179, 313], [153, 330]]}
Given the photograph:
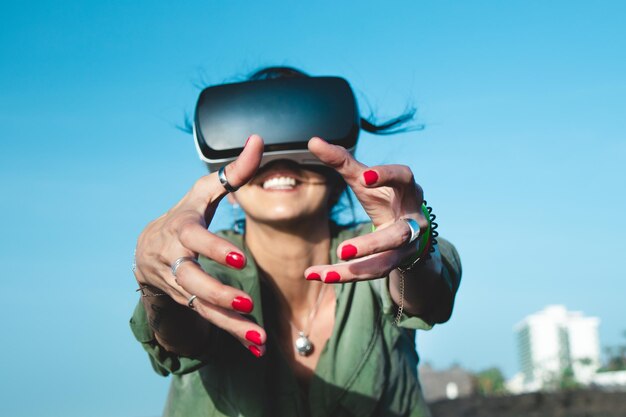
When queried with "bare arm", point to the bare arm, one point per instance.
{"points": [[182, 232]]}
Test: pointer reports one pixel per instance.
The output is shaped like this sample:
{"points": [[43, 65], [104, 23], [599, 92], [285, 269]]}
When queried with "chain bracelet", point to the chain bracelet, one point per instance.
{"points": [[401, 306]]}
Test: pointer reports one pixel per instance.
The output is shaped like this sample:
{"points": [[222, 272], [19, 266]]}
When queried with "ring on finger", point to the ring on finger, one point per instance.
{"points": [[414, 227], [190, 301], [178, 262], [221, 174]]}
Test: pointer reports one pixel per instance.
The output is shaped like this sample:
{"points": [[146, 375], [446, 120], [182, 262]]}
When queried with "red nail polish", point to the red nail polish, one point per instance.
{"points": [[242, 304], [313, 276], [255, 351], [370, 177], [236, 260], [254, 337], [331, 277], [348, 252]]}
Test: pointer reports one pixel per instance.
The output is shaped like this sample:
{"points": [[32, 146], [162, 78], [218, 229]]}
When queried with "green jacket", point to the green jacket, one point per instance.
{"points": [[368, 367]]}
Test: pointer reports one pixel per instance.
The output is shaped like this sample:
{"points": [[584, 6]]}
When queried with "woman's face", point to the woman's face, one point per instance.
{"points": [[284, 191]]}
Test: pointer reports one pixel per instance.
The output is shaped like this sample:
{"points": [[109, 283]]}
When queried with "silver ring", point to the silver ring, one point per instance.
{"points": [[221, 174], [190, 302], [415, 229], [178, 262]]}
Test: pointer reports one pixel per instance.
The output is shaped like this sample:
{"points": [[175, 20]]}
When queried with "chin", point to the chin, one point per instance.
{"points": [[288, 217]]}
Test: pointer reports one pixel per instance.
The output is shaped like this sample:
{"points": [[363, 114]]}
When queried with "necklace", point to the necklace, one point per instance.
{"points": [[303, 344]]}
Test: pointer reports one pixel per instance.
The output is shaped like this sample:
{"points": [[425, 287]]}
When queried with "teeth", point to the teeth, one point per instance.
{"points": [[279, 183]]}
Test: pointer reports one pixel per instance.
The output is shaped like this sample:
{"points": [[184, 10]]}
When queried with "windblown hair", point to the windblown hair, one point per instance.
{"points": [[398, 124], [391, 126]]}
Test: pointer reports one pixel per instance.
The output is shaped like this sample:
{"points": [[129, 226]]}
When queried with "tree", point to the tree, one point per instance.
{"points": [[615, 357], [567, 380], [490, 382]]}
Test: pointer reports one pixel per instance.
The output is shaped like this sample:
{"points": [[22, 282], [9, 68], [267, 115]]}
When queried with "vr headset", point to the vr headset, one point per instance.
{"points": [[285, 112]]}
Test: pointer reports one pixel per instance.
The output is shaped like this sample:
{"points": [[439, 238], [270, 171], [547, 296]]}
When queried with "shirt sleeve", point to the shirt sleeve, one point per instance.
{"points": [[451, 274], [390, 308], [163, 361], [451, 260]]}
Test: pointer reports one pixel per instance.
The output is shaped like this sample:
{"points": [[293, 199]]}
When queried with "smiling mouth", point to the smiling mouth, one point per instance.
{"points": [[279, 183]]}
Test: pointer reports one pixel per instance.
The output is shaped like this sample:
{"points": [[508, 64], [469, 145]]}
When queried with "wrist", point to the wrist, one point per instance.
{"points": [[147, 290], [426, 241]]}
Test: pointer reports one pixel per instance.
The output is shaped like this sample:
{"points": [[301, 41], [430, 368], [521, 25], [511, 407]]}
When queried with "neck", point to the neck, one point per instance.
{"points": [[283, 254]]}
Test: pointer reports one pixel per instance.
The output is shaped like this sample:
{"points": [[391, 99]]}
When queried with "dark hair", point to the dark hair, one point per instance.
{"points": [[388, 127], [369, 124]]}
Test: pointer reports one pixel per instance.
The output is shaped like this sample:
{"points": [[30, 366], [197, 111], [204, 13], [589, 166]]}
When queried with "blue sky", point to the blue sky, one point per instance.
{"points": [[523, 158]]}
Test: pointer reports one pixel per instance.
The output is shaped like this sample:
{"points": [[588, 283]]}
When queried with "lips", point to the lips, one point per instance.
{"points": [[283, 175], [279, 183], [278, 178]]}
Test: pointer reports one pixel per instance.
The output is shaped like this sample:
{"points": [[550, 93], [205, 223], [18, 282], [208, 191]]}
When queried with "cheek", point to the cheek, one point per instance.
{"points": [[244, 197], [319, 202]]}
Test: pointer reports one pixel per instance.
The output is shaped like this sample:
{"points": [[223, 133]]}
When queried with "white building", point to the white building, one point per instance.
{"points": [[553, 342], [612, 380]]}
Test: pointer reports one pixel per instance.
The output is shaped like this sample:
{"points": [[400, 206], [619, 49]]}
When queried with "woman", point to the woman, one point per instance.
{"points": [[326, 315]]}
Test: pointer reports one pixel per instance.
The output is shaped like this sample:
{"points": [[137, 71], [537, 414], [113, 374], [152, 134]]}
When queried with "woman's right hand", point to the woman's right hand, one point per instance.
{"points": [[182, 232]]}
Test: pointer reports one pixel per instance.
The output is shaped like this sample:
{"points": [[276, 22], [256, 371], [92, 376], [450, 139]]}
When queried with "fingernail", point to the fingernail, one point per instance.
{"points": [[255, 351], [254, 337], [331, 277], [236, 260], [242, 304], [370, 177], [247, 140], [348, 252], [313, 276]]}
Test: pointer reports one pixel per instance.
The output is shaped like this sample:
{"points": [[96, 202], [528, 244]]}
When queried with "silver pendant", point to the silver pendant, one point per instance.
{"points": [[303, 345]]}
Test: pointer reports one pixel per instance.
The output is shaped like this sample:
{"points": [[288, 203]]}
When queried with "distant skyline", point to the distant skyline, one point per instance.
{"points": [[553, 339], [523, 158]]}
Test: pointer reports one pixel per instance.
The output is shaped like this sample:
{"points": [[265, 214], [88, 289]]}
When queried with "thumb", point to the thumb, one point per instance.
{"points": [[337, 157], [208, 189], [242, 169]]}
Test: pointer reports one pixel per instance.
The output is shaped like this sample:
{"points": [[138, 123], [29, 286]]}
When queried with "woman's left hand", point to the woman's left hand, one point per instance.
{"points": [[388, 193]]}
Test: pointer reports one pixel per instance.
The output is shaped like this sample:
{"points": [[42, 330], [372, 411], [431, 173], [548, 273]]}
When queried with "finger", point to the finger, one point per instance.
{"points": [[169, 285], [250, 335], [390, 175], [395, 236], [367, 268], [158, 273], [337, 157], [209, 189], [399, 177], [242, 169], [194, 280], [197, 239]]}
